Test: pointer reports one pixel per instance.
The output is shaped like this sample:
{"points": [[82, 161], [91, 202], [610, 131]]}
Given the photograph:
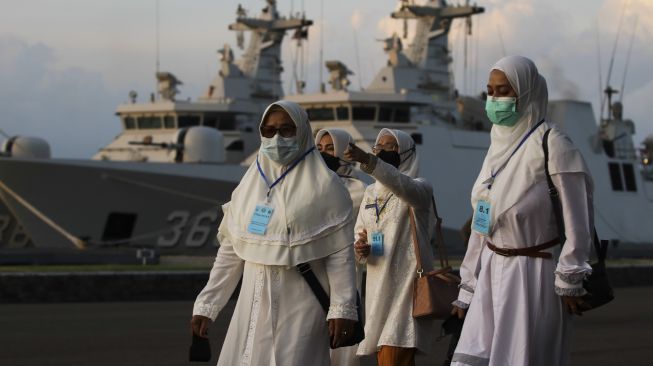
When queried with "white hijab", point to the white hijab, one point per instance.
{"points": [[312, 210], [341, 140], [407, 152], [526, 167]]}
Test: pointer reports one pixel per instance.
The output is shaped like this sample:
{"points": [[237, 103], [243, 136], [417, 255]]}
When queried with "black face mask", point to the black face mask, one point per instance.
{"points": [[331, 161], [390, 157]]}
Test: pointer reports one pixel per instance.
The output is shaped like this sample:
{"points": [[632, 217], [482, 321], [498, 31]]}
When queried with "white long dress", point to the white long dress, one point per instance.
{"points": [[277, 319], [346, 356], [515, 314], [389, 287]]}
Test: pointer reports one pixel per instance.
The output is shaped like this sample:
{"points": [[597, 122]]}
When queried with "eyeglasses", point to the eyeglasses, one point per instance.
{"points": [[284, 131], [387, 147]]}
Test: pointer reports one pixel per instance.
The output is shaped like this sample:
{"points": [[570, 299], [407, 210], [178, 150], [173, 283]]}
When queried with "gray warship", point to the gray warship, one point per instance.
{"points": [[160, 183]]}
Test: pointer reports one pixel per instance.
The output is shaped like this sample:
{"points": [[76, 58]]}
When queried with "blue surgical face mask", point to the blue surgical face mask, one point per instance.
{"points": [[502, 111], [279, 149]]}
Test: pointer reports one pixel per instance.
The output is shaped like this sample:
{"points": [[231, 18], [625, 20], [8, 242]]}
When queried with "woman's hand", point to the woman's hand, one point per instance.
{"points": [[361, 248], [199, 325], [575, 305], [459, 312], [354, 153], [340, 330]]}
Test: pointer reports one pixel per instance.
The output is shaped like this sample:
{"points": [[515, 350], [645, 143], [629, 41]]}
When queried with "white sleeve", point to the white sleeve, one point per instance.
{"points": [[225, 274], [360, 225], [577, 213], [341, 271], [416, 192], [469, 270]]}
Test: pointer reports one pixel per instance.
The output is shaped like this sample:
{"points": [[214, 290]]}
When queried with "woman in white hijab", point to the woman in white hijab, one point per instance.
{"points": [[287, 210], [518, 298], [332, 142], [383, 221]]}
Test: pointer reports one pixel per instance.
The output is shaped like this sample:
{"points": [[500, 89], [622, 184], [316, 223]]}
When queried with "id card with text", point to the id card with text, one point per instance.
{"points": [[260, 219], [482, 218]]}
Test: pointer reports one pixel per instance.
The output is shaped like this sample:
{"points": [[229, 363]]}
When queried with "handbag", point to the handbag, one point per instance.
{"points": [[599, 291], [359, 332], [434, 291]]}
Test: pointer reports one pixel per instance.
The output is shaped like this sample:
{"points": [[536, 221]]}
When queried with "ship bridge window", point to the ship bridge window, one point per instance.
{"points": [[402, 115], [149, 122], [188, 121], [385, 114], [223, 121], [364, 113], [342, 113], [321, 114], [615, 177], [169, 122], [629, 177], [130, 123]]}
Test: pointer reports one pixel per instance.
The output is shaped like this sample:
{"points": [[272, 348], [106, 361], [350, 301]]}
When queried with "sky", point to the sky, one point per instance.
{"points": [[65, 65]]}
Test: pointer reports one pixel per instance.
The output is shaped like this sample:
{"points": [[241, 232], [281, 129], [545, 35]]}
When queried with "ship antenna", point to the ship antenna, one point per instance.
{"points": [[157, 38], [598, 48], [630, 48], [614, 51], [358, 60], [503, 46], [321, 66]]}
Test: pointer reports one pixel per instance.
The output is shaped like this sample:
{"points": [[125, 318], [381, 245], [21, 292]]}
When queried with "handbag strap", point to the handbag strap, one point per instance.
{"points": [[442, 253], [600, 246], [307, 272]]}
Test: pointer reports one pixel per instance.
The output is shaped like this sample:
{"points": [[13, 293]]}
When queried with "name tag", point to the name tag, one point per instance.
{"points": [[260, 219], [481, 222], [377, 243]]}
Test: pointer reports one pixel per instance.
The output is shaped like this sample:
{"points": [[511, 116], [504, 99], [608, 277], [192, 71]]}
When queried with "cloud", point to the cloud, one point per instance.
{"points": [[70, 107]]}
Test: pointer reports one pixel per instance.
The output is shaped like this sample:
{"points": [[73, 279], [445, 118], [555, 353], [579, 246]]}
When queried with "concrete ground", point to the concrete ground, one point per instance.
{"points": [[156, 333]]}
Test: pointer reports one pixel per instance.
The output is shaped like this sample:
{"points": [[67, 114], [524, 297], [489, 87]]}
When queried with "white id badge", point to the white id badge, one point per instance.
{"points": [[377, 243], [260, 219], [482, 218]]}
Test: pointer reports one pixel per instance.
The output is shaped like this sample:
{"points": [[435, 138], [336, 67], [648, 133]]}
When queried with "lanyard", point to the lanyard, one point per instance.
{"points": [[376, 206], [292, 166], [490, 180]]}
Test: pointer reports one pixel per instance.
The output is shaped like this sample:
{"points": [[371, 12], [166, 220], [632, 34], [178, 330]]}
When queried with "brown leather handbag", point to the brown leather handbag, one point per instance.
{"points": [[434, 291]]}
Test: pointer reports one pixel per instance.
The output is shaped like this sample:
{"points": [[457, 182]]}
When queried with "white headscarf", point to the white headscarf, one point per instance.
{"points": [[526, 167], [407, 152], [312, 210], [341, 140]]}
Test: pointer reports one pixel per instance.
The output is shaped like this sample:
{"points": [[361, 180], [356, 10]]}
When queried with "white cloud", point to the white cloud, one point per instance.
{"points": [[70, 107]]}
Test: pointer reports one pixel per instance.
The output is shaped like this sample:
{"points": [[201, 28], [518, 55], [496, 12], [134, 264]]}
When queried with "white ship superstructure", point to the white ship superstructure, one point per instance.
{"points": [[160, 182]]}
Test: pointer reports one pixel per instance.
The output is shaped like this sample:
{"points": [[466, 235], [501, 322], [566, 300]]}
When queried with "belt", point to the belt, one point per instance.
{"points": [[535, 251]]}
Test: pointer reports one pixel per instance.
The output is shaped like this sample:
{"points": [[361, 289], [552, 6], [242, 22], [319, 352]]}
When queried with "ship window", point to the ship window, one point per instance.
{"points": [[188, 121], [149, 122], [227, 122], [364, 113], [342, 113], [169, 122], [402, 115], [385, 114], [629, 177], [321, 114], [130, 123], [615, 177], [119, 226]]}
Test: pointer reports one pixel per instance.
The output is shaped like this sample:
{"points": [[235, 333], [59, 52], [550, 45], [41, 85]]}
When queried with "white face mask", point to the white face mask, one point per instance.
{"points": [[280, 149]]}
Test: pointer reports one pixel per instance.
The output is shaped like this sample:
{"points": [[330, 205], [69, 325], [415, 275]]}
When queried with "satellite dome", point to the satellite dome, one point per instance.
{"points": [[26, 148]]}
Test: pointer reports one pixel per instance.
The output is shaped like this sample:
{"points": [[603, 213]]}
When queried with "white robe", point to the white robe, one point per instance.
{"points": [[346, 356], [389, 287], [277, 319], [515, 316]]}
